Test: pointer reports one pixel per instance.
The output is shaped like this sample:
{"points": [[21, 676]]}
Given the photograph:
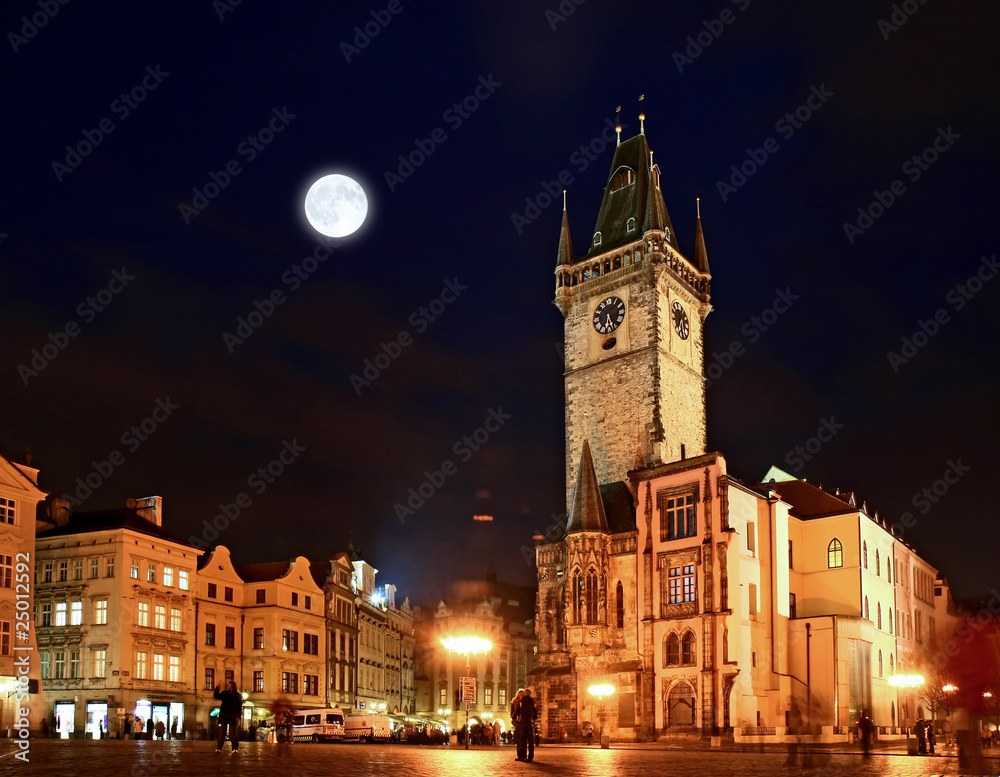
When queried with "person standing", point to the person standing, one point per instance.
{"points": [[526, 715], [229, 716], [865, 730], [149, 728], [515, 708]]}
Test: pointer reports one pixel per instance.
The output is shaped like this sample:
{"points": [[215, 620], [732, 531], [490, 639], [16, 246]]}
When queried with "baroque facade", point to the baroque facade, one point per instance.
{"points": [[707, 603]]}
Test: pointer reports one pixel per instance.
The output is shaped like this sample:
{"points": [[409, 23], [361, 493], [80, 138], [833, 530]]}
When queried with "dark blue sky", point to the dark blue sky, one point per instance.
{"points": [[250, 108]]}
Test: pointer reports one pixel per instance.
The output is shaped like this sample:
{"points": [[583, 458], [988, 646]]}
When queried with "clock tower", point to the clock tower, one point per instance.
{"points": [[634, 306]]}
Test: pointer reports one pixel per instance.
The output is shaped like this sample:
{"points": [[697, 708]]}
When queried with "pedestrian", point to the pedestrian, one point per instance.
{"points": [[161, 729], [149, 728], [229, 716], [526, 715], [921, 732], [45, 728], [100, 729], [127, 728], [515, 707], [173, 729], [931, 736], [865, 730]]}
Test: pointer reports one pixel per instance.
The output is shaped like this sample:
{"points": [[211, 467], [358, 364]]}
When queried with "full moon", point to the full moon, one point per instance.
{"points": [[336, 205]]}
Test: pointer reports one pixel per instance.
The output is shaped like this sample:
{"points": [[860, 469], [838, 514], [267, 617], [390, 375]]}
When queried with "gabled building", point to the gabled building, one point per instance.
{"points": [[334, 577]]}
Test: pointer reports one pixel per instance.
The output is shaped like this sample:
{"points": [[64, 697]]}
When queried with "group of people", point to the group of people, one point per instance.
{"points": [[926, 736], [522, 719]]}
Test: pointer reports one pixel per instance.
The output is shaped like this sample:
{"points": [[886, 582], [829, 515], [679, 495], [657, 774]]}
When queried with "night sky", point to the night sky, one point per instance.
{"points": [[194, 129]]}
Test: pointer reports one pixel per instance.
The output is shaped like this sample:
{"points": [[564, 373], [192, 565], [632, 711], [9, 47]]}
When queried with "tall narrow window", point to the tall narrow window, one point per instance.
{"points": [[687, 649], [751, 537], [672, 651], [834, 554], [591, 598], [577, 597], [880, 663], [878, 563], [868, 614], [791, 558], [791, 606], [864, 554], [753, 601], [878, 606], [620, 606], [101, 612]]}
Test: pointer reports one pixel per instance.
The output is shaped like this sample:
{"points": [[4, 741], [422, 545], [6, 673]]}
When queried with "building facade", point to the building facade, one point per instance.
{"points": [[707, 603]]}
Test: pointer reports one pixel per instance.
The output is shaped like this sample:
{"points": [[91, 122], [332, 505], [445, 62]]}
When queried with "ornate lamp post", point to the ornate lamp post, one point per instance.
{"points": [[468, 646], [907, 681], [602, 692]]}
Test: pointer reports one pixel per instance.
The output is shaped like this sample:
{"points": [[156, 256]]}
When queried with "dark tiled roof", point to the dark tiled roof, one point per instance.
{"points": [[619, 506], [259, 573], [808, 500], [641, 200], [104, 520], [700, 253], [587, 510], [565, 242]]}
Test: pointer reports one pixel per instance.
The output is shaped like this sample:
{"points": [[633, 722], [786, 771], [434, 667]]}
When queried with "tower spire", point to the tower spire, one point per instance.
{"points": [[565, 241], [700, 252]]}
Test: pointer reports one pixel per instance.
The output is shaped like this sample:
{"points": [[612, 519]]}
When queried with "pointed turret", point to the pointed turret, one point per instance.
{"points": [[587, 511], [700, 256], [565, 241]]}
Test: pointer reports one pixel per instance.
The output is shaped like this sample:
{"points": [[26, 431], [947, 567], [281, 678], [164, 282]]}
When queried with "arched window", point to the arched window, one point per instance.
{"points": [[671, 651], [891, 670], [879, 610], [868, 612], [878, 563], [680, 706], [638, 255], [888, 570], [880, 663], [591, 598], [624, 176], [890, 620], [597, 238], [630, 225], [620, 606], [835, 554], [687, 649], [577, 598], [864, 554]]}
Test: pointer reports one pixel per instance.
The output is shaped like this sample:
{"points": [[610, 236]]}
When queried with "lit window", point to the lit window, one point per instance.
{"points": [[168, 576], [182, 579], [74, 663], [143, 613], [151, 573], [134, 570], [834, 554], [289, 682], [60, 613], [78, 569], [258, 681], [209, 678], [597, 238], [175, 619], [175, 669], [209, 633], [160, 617], [141, 667], [95, 567], [76, 613], [60, 665], [100, 662], [7, 510], [502, 694], [157, 666], [677, 517], [258, 638], [45, 666]]}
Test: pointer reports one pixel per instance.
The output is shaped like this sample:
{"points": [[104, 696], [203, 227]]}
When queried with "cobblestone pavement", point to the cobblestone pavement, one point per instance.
{"points": [[83, 758]]}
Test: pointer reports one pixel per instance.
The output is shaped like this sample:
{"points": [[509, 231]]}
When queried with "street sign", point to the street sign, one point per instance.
{"points": [[467, 690]]}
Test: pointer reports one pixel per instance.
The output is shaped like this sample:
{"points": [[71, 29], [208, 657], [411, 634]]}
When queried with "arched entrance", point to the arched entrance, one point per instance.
{"points": [[678, 706]]}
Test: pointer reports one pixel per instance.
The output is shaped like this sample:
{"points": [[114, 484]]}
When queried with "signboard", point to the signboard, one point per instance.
{"points": [[467, 690], [114, 672], [361, 705]]}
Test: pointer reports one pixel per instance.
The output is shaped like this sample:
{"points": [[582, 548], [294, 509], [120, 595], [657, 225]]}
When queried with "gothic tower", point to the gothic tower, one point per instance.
{"points": [[634, 306]]}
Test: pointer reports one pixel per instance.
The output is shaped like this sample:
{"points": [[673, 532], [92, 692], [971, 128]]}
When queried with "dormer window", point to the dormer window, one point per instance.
{"points": [[597, 238], [630, 225], [624, 176]]}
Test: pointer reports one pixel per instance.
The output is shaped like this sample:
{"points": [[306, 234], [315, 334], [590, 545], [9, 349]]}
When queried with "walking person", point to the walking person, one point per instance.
{"points": [[526, 715], [149, 728], [229, 716]]}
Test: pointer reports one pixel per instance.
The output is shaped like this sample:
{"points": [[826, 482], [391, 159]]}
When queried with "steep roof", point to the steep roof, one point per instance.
{"points": [[565, 241], [810, 501], [587, 511], [642, 199], [700, 255], [104, 520], [267, 570]]}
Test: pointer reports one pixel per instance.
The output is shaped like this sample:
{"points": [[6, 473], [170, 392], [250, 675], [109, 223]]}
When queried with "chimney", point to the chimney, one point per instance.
{"points": [[149, 507]]}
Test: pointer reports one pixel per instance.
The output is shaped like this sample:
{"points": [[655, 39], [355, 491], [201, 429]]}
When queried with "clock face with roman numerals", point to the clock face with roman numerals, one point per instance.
{"points": [[608, 315], [680, 319]]}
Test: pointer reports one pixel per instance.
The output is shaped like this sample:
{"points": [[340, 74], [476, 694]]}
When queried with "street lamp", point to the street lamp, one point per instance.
{"points": [[907, 681], [602, 692], [468, 646]]}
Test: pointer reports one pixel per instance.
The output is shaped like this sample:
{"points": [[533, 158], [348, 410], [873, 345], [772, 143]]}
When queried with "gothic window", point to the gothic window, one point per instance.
{"points": [[677, 517], [671, 650], [597, 238], [576, 596], [880, 663], [835, 554], [630, 225], [687, 649], [638, 255], [591, 598], [864, 554], [878, 563], [890, 620], [620, 606], [680, 706], [586, 274], [868, 614], [879, 611], [891, 670]]}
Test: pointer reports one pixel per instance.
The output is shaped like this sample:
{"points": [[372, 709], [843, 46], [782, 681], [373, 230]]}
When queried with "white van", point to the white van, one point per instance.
{"points": [[367, 727], [321, 725]]}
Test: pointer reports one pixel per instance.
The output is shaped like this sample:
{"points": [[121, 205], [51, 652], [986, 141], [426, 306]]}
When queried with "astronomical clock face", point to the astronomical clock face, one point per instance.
{"points": [[680, 319], [608, 315]]}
